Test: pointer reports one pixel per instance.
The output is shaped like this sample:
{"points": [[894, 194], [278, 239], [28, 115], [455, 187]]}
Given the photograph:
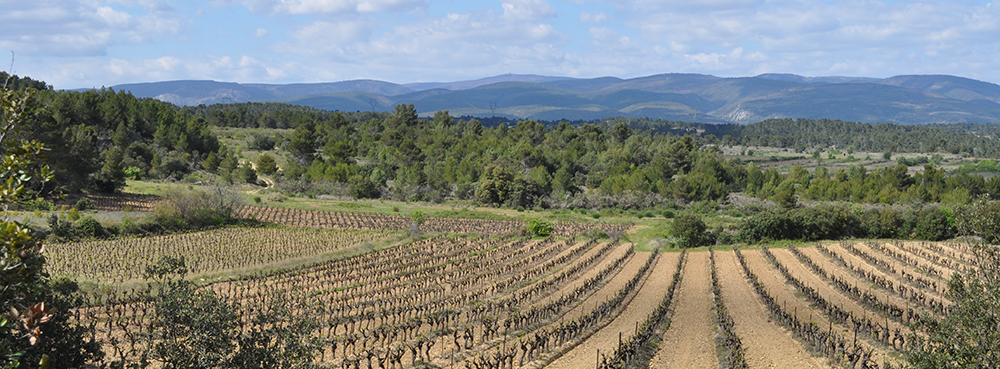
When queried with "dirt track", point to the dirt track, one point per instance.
{"points": [[767, 345], [690, 340], [646, 300]]}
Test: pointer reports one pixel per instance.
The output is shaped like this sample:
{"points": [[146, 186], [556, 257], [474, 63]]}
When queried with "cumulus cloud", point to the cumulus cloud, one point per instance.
{"points": [[410, 40], [80, 28]]}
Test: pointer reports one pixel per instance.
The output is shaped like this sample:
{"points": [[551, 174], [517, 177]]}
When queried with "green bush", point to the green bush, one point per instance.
{"points": [[361, 187], [90, 228], [539, 227], [37, 204], [690, 231], [262, 143], [933, 224], [809, 224], [84, 204], [883, 223]]}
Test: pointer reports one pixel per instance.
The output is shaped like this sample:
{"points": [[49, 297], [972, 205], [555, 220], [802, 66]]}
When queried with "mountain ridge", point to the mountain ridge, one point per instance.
{"points": [[904, 99]]}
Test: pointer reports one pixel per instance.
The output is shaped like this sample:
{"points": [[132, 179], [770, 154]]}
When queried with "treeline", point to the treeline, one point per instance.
{"points": [[531, 164], [98, 138], [830, 222], [890, 185], [811, 134]]}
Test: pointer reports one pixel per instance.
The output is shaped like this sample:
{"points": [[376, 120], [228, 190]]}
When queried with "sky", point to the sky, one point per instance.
{"points": [[93, 43]]}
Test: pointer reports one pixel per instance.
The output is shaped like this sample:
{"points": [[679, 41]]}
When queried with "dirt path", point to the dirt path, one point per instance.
{"points": [[646, 300], [690, 340], [767, 345], [784, 294]]}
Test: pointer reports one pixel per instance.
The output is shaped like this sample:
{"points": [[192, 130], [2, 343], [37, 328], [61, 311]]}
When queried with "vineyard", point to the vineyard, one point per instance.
{"points": [[481, 294]]}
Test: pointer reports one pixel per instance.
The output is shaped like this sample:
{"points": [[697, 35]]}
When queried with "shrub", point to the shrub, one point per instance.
{"points": [[689, 231], [90, 228], [933, 224], [361, 187], [262, 143], [84, 204], [196, 208], [37, 204], [883, 223], [539, 227]]}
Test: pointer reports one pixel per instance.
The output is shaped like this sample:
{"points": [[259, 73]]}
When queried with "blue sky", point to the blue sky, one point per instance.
{"points": [[93, 43]]}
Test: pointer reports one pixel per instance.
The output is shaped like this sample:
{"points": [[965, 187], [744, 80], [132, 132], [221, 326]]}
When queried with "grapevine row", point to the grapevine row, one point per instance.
{"points": [[824, 342]]}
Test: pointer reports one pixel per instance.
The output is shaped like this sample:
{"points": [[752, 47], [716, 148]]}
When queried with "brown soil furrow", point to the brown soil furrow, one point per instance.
{"points": [[616, 283], [767, 345], [945, 273], [597, 267], [690, 340], [786, 295], [646, 300], [831, 294], [895, 277], [840, 272]]}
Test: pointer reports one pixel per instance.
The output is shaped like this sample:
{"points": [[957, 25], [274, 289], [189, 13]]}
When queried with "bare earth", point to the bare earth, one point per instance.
{"points": [[631, 268], [832, 295], [767, 345], [595, 268], [690, 340], [648, 298]]}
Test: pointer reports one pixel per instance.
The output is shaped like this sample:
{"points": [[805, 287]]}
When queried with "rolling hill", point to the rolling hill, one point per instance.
{"points": [[910, 99]]}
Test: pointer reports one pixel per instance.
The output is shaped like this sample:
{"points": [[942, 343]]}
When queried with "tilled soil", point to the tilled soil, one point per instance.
{"points": [[833, 269], [616, 283], [597, 267], [862, 264], [767, 345], [802, 273], [945, 272], [648, 297], [690, 340]]}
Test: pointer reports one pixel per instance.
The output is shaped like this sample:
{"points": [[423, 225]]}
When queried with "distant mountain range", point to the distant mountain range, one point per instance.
{"points": [[686, 97]]}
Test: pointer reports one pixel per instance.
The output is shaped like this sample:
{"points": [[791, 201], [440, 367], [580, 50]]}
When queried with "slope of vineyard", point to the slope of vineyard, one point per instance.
{"points": [[479, 294], [125, 259]]}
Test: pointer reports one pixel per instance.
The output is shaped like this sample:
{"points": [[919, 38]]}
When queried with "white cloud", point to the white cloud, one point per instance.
{"points": [[330, 7], [260, 32], [527, 9], [80, 27], [599, 17]]}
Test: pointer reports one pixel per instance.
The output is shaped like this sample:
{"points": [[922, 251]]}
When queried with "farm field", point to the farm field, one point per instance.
{"points": [[481, 294]]}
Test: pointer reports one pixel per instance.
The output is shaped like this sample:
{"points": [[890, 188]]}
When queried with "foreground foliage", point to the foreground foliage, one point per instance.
{"points": [[34, 329], [968, 337]]}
